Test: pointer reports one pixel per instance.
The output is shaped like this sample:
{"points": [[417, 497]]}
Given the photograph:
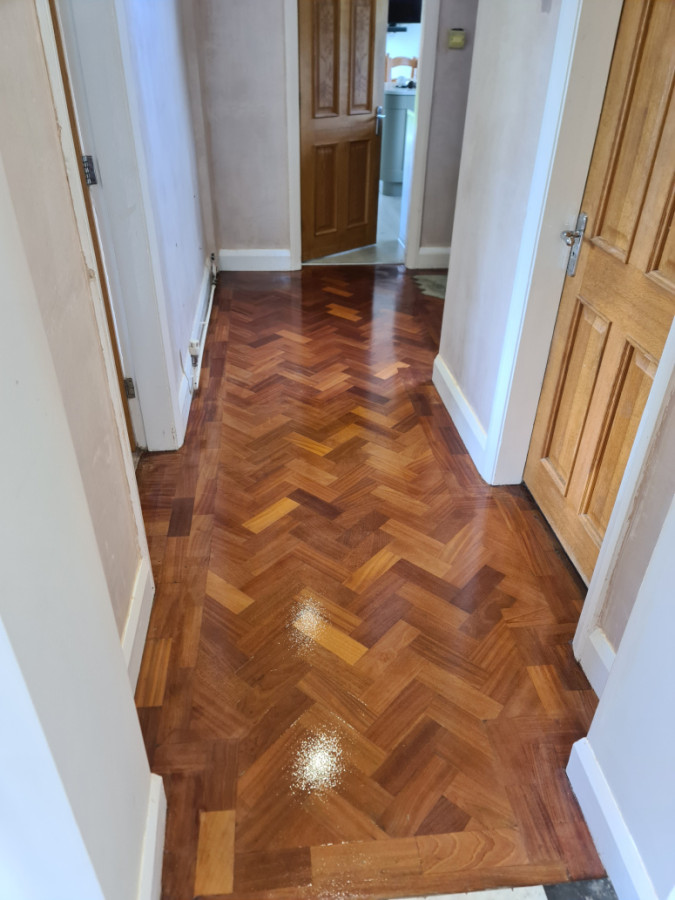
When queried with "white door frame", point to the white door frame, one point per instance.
{"points": [[592, 647], [138, 618], [431, 11], [292, 46], [425, 89]]}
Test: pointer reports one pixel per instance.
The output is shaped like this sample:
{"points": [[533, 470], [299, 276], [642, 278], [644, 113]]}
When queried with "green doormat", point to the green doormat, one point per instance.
{"points": [[432, 285]]}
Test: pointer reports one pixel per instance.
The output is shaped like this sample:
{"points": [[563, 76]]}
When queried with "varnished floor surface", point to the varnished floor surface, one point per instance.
{"points": [[358, 680]]}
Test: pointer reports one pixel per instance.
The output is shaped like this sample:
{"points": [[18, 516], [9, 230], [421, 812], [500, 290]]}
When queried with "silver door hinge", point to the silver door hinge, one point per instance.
{"points": [[573, 239], [89, 170], [129, 388]]}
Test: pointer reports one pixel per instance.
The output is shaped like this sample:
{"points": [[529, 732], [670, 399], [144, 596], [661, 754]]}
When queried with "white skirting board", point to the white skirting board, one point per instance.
{"points": [[430, 258], [255, 261], [596, 659], [185, 395], [136, 626], [613, 840], [461, 412], [200, 326], [150, 882], [184, 400]]}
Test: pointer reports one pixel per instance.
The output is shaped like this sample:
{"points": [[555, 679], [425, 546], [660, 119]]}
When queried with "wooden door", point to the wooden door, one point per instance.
{"points": [[616, 311], [340, 88]]}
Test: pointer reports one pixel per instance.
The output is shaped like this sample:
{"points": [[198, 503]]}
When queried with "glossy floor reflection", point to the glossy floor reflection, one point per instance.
{"points": [[358, 680]]}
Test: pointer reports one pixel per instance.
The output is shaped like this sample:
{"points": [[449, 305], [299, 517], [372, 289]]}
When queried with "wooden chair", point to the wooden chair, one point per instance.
{"points": [[391, 63]]}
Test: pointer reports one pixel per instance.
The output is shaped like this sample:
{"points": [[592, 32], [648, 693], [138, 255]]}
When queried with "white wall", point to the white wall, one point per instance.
{"points": [[29, 146], [448, 112], [511, 64], [41, 849], [157, 80], [623, 773], [56, 612]]}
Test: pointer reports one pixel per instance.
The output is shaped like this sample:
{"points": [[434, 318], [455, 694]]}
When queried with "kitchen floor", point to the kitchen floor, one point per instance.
{"points": [[358, 679]]}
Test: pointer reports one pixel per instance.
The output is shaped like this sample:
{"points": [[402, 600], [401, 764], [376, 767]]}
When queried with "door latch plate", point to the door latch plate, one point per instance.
{"points": [[573, 239]]}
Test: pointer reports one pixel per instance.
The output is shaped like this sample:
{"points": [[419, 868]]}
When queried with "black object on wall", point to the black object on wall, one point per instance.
{"points": [[402, 12]]}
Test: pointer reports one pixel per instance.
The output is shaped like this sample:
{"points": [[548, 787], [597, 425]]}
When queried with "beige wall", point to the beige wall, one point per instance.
{"points": [[242, 67], [190, 13], [31, 152], [236, 71], [514, 47], [448, 111]]}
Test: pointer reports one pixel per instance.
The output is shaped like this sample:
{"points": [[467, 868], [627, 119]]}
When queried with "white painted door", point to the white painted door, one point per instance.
{"points": [[96, 124]]}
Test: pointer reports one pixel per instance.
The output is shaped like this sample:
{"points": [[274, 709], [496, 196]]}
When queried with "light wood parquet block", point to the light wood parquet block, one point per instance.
{"points": [[227, 594], [215, 853], [270, 515], [154, 669]]}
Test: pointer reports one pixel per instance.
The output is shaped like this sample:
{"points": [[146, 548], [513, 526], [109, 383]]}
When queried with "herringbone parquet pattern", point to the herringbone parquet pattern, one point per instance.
{"points": [[358, 680]]}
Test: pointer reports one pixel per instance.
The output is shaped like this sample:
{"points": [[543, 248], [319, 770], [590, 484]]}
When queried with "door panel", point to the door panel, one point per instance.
{"points": [[358, 174], [325, 58], [338, 97], [616, 311], [361, 63], [628, 396], [579, 371], [325, 189]]}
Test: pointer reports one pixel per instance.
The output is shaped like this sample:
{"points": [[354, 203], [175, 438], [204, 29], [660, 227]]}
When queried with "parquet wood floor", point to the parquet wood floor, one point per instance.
{"points": [[358, 681]]}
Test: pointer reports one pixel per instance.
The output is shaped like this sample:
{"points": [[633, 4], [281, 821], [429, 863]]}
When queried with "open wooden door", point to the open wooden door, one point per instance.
{"points": [[616, 310], [340, 88]]}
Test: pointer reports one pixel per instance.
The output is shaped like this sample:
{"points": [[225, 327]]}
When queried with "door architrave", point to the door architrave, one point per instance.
{"points": [[431, 11]]}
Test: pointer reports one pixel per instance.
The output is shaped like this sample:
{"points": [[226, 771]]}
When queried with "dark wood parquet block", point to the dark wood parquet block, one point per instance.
{"points": [[358, 679]]}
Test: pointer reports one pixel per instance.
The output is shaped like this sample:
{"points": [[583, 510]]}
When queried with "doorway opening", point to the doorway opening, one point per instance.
{"points": [[394, 72]]}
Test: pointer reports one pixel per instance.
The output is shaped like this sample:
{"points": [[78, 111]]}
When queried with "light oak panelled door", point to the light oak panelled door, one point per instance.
{"points": [[340, 146], [616, 311]]}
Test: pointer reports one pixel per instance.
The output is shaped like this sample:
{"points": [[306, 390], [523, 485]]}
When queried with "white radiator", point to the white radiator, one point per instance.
{"points": [[197, 346]]}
